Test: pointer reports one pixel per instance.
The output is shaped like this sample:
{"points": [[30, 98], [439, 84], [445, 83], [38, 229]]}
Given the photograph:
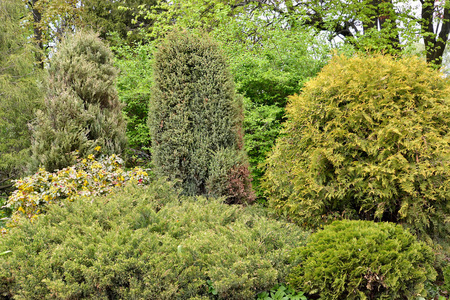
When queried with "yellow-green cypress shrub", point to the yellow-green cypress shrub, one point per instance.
{"points": [[446, 274], [368, 138], [195, 117], [82, 109]]}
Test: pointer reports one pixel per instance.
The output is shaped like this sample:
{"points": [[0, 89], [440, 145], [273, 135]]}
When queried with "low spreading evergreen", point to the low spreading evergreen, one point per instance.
{"points": [[195, 119], [82, 110], [146, 242]]}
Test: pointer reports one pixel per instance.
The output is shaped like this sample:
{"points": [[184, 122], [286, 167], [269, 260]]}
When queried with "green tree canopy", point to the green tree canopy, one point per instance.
{"points": [[266, 73], [50, 20], [133, 85], [20, 90], [388, 26], [107, 17]]}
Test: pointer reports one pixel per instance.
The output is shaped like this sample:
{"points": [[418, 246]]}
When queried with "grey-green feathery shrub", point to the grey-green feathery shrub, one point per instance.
{"points": [[194, 115], [82, 110], [368, 138], [363, 260], [146, 243]]}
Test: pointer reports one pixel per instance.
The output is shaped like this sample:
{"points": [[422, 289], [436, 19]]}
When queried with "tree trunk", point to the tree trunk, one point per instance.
{"points": [[434, 42], [37, 17]]}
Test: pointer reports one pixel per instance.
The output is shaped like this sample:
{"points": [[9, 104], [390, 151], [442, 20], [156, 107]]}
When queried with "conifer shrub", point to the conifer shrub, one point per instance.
{"points": [[229, 176], [82, 110], [146, 242], [194, 114], [368, 139], [363, 260]]}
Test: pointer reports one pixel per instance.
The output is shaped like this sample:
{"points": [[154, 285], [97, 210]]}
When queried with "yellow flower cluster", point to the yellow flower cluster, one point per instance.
{"points": [[88, 177]]}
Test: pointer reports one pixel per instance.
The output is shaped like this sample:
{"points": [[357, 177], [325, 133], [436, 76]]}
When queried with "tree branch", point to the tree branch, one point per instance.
{"points": [[6, 186]]}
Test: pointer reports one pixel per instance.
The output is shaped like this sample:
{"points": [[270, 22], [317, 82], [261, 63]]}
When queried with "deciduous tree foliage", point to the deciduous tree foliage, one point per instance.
{"points": [[369, 24], [134, 88], [266, 73], [196, 118], [50, 20], [379, 24], [368, 138], [20, 93], [82, 110], [106, 17]]}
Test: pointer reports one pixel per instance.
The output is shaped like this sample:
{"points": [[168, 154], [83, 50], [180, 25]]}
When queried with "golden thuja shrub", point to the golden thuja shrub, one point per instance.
{"points": [[368, 138]]}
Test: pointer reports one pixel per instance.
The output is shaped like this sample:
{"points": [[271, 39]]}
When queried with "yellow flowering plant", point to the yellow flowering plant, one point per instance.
{"points": [[89, 176]]}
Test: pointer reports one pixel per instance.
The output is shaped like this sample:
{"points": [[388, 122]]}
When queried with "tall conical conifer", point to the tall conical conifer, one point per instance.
{"points": [[82, 109], [196, 119]]}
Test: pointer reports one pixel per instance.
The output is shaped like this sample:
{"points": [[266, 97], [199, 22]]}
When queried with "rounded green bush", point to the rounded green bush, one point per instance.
{"points": [[146, 242], [363, 260], [367, 139]]}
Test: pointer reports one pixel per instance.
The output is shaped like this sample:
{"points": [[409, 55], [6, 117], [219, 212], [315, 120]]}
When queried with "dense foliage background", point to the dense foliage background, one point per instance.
{"points": [[319, 110]]}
